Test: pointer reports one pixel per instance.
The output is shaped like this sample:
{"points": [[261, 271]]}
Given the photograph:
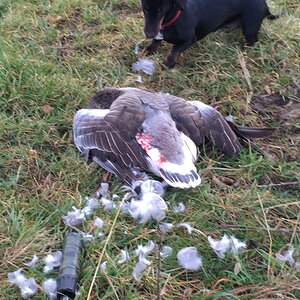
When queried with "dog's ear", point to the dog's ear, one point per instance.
{"points": [[181, 4]]}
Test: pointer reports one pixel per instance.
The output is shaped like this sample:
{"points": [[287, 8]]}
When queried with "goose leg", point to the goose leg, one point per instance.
{"points": [[106, 177]]}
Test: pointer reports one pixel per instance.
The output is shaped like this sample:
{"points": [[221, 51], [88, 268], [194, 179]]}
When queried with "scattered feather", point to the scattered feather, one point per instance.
{"points": [[143, 259], [124, 257], [131, 189], [32, 262], [107, 203], [141, 186], [17, 277], [139, 79], [236, 245], [98, 222], [47, 269], [179, 208], [230, 118], [138, 269], [150, 206], [50, 288], [152, 186], [27, 286], [115, 197], [231, 244], [103, 190], [145, 65], [145, 250], [220, 246], [90, 206], [103, 266], [189, 259], [74, 217], [287, 256], [187, 226], [166, 251], [237, 268], [137, 48], [87, 237], [100, 234], [51, 261], [125, 205], [127, 197], [92, 202], [165, 227], [29, 289]]}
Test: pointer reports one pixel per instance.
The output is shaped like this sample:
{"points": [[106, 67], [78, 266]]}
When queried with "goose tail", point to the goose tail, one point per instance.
{"points": [[246, 133]]}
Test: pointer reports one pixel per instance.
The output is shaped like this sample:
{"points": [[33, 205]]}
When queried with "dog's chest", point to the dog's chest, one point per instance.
{"points": [[169, 35], [159, 36]]}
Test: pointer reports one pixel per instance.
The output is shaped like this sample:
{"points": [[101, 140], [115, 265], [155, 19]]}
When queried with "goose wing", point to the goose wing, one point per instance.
{"points": [[200, 121], [109, 134]]}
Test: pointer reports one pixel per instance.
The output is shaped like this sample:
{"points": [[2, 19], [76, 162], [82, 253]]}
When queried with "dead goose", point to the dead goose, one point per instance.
{"points": [[128, 129]]}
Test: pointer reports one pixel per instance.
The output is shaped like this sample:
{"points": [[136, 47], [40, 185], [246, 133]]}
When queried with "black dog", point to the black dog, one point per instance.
{"points": [[183, 22]]}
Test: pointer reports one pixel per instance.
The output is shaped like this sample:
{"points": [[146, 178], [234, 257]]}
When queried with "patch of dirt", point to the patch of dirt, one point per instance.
{"points": [[65, 46], [123, 7], [269, 180], [70, 21], [223, 182], [283, 113], [283, 110], [69, 25]]}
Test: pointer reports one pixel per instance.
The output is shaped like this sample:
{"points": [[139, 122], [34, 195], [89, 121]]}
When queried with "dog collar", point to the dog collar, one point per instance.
{"points": [[172, 20]]}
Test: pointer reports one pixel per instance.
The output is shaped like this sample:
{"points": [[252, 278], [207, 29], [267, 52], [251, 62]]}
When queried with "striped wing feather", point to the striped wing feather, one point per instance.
{"points": [[200, 122], [112, 137]]}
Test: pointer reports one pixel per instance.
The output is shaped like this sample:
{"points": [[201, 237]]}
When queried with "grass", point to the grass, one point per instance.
{"points": [[54, 55]]}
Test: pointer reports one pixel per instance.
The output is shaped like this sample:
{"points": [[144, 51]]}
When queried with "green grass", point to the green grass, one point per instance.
{"points": [[54, 55]]}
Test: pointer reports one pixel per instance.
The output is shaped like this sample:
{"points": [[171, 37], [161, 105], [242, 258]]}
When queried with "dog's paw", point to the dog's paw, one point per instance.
{"points": [[150, 49], [170, 62]]}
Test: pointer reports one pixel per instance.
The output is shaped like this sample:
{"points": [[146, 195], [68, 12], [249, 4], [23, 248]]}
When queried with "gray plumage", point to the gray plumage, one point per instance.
{"points": [[129, 129]]}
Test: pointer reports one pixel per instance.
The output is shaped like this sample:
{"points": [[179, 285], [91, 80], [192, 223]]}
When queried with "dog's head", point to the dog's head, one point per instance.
{"points": [[155, 12]]}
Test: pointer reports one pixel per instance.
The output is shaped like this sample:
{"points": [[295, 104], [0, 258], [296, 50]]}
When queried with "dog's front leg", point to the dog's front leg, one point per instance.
{"points": [[177, 49], [152, 48]]}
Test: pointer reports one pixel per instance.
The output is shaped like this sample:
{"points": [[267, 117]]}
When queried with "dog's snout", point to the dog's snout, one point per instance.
{"points": [[149, 34], [151, 28]]}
